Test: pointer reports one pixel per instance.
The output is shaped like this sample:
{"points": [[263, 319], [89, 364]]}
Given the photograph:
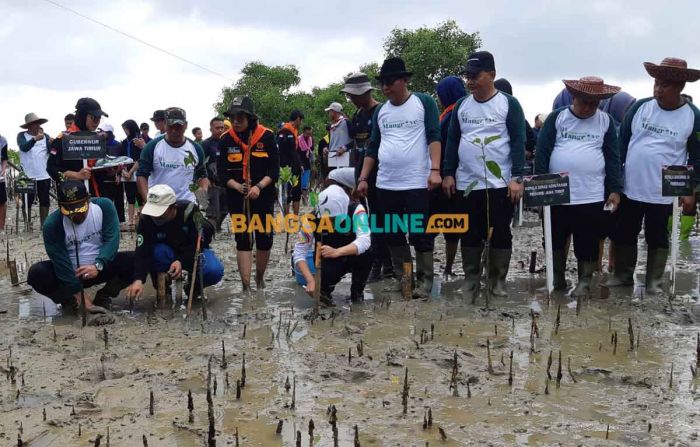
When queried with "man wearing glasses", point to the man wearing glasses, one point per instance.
{"points": [[405, 141], [173, 160], [485, 114]]}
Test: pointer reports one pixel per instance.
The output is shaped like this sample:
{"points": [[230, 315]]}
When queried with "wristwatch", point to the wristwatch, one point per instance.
{"points": [[518, 179], [99, 266]]}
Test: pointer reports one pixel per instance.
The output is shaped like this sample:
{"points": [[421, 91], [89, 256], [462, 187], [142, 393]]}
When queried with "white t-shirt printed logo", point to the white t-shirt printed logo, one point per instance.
{"points": [[401, 124], [89, 236], [580, 136], [174, 166], [658, 129]]}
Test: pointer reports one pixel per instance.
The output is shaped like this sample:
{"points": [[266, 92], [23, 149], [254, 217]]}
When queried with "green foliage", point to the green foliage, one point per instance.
{"points": [[286, 177], [493, 168], [313, 199], [470, 187], [432, 53], [491, 139], [13, 156]]}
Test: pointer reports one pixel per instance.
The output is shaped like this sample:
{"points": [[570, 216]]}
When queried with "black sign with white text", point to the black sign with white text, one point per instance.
{"points": [[547, 189], [676, 181], [84, 146]]}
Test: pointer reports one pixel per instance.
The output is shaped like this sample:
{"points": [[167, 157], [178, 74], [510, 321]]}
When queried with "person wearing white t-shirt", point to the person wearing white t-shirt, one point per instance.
{"points": [[581, 140], [486, 115], [405, 141], [173, 160], [660, 131], [33, 154]]}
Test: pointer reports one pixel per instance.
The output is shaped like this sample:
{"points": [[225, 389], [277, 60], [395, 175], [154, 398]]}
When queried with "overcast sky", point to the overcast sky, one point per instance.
{"points": [[51, 57]]}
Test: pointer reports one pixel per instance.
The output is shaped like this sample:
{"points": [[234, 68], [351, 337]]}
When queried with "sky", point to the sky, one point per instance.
{"points": [[52, 57]]}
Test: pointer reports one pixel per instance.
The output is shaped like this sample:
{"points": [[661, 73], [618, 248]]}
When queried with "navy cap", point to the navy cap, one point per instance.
{"points": [[477, 62]]}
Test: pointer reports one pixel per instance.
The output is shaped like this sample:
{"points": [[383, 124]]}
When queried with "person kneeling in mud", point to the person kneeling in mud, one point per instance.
{"points": [[81, 240], [344, 248], [166, 241]]}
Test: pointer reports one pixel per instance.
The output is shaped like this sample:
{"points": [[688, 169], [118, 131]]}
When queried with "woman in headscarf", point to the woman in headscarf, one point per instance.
{"points": [[131, 147]]}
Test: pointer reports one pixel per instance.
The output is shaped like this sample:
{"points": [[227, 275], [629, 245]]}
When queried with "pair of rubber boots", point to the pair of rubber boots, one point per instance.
{"points": [[381, 269], [585, 274], [626, 261], [499, 262], [423, 285]]}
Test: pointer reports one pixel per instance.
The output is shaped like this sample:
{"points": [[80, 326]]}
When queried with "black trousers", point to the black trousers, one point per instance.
{"points": [[42, 190], [441, 204], [115, 192], [333, 271], [402, 205], [116, 274], [132, 195], [501, 215], [261, 207], [586, 223], [380, 248], [629, 219]]}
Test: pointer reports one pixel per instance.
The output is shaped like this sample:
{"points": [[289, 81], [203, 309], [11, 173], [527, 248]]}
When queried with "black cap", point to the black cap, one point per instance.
{"points": [[240, 104], [72, 197], [158, 115], [503, 85], [296, 114], [90, 106], [175, 115], [477, 62]]}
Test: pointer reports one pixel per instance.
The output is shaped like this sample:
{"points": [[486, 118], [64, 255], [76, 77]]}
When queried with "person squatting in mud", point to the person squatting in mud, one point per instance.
{"points": [[249, 168], [169, 233], [81, 239], [341, 252]]}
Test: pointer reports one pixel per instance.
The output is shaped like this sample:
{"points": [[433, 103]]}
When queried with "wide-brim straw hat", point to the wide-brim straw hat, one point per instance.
{"points": [[672, 69], [31, 118], [591, 87]]}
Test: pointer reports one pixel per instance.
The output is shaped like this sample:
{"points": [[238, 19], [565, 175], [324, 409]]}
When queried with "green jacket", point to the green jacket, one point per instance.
{"points": [[55, 243]]}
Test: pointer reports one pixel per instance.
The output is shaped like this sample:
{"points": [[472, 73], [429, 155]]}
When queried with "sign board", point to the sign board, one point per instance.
{"points": [[25, 186], [676, 181], [84, 146], [547, 189]]}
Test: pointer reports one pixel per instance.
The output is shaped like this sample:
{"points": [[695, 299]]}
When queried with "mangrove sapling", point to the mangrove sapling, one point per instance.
{"points": [[312, 426], [243, 374], [630, 331], [559, 374], [190, 406], [224, 363], [294, 393], [571, 374], [488, 355], [404, 392], [510, 371], [211, 438]]}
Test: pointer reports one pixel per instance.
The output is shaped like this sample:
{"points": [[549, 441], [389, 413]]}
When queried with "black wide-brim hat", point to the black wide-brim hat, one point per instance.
{"points": [[241, 104], [394, 66]]}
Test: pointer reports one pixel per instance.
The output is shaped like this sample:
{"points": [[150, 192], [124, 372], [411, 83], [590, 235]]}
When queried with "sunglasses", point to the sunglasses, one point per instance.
{"points": [[388, 82]]}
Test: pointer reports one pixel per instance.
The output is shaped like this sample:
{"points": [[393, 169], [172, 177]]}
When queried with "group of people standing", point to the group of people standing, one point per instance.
{"points": [[407, 158]]}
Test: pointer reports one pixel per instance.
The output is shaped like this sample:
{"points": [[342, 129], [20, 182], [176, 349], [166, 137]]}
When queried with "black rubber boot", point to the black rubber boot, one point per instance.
{"points": [[656, 266], [625, 262], [498, 270], [471, 264], [585, 277], [375, 274], [424, 275], [559, 269], [399, 255]]}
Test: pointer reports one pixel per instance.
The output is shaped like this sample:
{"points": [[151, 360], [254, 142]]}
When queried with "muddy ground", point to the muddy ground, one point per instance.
{"points": [[71, 387]]}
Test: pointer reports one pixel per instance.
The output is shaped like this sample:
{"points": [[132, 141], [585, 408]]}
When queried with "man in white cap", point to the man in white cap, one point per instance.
{"points": [[166, 240], [339, 146], [663, 130], [34, 146], [343, 250], [358, 89]]}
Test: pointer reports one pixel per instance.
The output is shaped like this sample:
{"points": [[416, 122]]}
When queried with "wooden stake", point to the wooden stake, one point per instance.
{"points": [[630, 331], [615, 343], [190, 406], [407, 281], [161, 290], [238, 389], [670, 380], [559, 374], [243, 375], [404, 394], [14, 279], [151, 404], [488, 355], [224, 363], [510, 372]]}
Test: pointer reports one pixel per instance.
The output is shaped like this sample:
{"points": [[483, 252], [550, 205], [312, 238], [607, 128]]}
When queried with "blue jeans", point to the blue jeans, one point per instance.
{"points": [[312, 267], [212, 268]]}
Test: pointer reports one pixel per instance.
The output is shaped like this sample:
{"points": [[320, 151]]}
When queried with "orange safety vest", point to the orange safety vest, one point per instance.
{"points": [[294, 132], [447, 110], [252, 141]]}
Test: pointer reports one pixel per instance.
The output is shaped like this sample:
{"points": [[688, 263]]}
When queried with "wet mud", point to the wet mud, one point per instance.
{"points": [[65, 385]]}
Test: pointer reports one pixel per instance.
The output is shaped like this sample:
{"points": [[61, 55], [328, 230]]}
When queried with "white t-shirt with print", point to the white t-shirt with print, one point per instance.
{"points": [[404, 158], [578, 150], [34, 161], [89, 236], [170, 168], [659, 138], [481, 120]]}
